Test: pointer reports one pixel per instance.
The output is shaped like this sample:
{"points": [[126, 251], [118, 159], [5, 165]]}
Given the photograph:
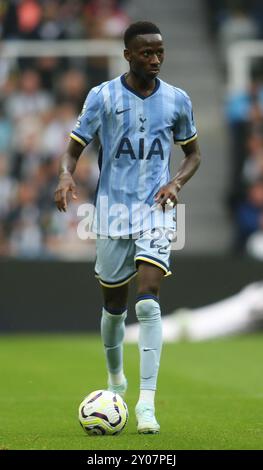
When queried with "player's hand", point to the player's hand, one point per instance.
{"points": [[167, 196], [65, 185]]}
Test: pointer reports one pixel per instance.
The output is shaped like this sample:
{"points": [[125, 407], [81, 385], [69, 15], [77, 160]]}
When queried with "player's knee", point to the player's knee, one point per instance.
{"points": [[115, 299], [114, 307], [147, 309]]}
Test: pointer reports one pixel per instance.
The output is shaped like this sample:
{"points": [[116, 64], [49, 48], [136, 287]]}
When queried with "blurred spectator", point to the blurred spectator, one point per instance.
{"points": [[29, 98], [29, 15], [50, 69], [238, 108], [105, 19], [46, 181], [253, 165], [55, 135], [256, 8], [62, 240], [87, 174], [250, 213], [27, 147], [51, 27], [219, 12], [238, 26], [71, 18], [72, 86], [6, 131], [9, 19], [8, 186], [25, 236], [245, 116]]}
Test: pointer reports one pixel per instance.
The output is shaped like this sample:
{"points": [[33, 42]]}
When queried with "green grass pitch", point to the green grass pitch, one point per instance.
{"points": [[210, 394]]}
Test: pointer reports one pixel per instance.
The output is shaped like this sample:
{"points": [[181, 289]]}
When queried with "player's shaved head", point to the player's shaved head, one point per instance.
{"points": [[139, 28]]}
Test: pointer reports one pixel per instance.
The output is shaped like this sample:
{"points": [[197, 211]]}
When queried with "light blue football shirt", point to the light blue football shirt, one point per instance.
{"points": [[135, 135]]}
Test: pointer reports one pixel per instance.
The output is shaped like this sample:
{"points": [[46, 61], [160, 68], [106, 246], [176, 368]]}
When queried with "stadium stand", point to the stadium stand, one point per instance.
{"points": [[235, 21]]}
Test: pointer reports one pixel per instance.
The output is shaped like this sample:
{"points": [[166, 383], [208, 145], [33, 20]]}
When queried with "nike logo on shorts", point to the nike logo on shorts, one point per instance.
{"points": [[118, 111]]}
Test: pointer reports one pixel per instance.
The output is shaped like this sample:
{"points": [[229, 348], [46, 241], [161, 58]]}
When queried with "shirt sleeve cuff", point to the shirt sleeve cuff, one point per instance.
{"points": [[185, 141], [79, 139]]}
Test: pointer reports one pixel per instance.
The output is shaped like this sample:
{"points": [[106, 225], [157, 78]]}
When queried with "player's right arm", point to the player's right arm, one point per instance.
{"points": [[66, 183], [86, 127]]}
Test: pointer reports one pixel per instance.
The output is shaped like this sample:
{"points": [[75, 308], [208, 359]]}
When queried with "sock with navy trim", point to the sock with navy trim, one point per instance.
{"points": [[150, 339]]}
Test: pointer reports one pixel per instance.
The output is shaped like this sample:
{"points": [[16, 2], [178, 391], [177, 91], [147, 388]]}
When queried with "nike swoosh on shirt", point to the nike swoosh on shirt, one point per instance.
{"points": [[122, 110]]}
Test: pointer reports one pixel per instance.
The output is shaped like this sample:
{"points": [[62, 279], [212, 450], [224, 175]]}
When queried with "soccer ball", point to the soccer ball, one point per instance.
{"points": [[103, 412]]}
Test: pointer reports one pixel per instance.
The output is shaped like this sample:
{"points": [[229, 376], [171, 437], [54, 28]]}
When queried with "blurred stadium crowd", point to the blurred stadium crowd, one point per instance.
{"points": [[61, 19], [41, 98], [231, 21]]}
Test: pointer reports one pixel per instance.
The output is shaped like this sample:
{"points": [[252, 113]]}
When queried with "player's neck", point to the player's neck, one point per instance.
{"points": [[140, 85]]}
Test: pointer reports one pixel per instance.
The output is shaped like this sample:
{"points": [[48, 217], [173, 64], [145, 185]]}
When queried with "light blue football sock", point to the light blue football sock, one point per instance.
{"points": [[150, 340], [112, 333]]}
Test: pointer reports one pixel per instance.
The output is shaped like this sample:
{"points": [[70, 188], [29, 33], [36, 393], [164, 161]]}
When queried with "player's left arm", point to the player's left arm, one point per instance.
{"points": [[188, 167]]}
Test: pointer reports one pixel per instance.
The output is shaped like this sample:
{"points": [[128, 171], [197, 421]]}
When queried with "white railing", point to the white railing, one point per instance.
{"points": [[239, 57], [112, 49]]}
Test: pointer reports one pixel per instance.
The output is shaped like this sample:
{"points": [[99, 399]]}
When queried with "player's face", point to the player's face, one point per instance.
{"points": [[145, 55]]}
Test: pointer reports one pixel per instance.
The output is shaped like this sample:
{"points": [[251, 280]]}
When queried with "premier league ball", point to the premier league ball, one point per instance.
{"points": [[103, 413]]}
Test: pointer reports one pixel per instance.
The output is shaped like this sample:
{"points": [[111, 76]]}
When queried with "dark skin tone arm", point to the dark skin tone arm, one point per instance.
{"points": [[67, 167], [188, 167]]}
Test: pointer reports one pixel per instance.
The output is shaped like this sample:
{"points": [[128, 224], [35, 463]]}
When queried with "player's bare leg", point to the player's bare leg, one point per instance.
{"points": [[150, 344], [112, 331], [115, 297]]}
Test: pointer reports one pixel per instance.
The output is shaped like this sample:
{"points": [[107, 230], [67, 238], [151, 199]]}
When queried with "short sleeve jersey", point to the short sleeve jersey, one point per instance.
{"points": [[135, 136]]}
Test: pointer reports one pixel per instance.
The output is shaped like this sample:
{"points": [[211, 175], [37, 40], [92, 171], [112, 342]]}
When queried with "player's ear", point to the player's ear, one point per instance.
{"points": [[127, 55]]}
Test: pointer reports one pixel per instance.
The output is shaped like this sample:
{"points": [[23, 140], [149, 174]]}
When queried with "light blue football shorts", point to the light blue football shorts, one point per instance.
{"points": [[118, 258]]}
